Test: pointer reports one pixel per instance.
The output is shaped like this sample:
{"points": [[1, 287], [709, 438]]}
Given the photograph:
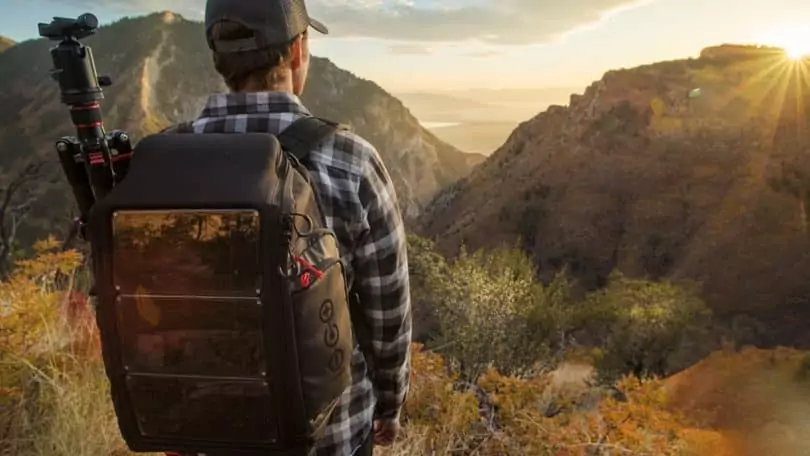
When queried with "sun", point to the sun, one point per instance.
{"points": [[793, 38]]}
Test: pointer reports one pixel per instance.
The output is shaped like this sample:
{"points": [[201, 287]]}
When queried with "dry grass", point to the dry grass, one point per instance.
{"points": [[54, 398]]}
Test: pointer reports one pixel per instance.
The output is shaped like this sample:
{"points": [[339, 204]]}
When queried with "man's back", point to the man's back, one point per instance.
{"points": [[359, 203]]}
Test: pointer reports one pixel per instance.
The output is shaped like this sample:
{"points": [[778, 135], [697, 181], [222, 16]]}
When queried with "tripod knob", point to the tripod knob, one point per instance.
{"points": [[62, 146], [104, 81], [87, 21]]}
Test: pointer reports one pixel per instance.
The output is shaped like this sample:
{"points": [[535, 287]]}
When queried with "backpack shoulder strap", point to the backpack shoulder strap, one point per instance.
{"points": [[306, 133], [299, 139]]}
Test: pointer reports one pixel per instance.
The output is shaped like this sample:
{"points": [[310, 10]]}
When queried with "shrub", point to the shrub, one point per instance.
{"points": [[648, 328], [54, 399], [491, 312], [639, 424], [488, 309]]}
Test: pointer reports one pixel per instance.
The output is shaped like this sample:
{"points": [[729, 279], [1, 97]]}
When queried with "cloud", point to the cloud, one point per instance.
{"points": [[409, 49], [438, 21], [494, 21]]}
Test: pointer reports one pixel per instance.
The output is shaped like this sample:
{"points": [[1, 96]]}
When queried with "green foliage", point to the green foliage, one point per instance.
{"points": [[487, 309], [486, 305], [644, 325], [425, 267]]}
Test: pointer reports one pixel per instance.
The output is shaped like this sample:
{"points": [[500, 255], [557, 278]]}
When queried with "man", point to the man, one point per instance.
{"points": [[261, 49]]}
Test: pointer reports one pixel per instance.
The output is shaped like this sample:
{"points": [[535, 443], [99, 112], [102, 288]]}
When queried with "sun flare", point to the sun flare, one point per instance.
{"points": [[794, 39]]}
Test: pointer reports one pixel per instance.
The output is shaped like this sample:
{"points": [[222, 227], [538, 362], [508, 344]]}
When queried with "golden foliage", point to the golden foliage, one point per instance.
{"points": [[439, 417], [641, 423], [638, 425], [52, 400]]}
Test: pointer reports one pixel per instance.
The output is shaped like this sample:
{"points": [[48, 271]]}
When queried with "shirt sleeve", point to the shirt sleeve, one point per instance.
{"points": [[381, 281]]}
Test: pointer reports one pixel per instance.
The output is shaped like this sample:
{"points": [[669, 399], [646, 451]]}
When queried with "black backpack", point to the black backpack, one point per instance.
{"points": [[222, 302]]}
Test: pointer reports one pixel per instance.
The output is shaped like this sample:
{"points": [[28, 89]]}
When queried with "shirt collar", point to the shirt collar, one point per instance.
{"points": [[234, 103]]}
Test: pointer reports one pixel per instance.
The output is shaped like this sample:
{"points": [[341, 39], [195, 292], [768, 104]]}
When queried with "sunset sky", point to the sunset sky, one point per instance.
{"points": [[456, 44]]}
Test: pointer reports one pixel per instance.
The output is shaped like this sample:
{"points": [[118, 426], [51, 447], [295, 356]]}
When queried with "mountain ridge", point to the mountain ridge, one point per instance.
{"points": [[647, 172], [148, 58]]}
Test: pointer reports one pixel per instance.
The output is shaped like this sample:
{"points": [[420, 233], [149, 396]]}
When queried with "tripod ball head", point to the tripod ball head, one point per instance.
{"points": [[73, 65], [62, 28]]}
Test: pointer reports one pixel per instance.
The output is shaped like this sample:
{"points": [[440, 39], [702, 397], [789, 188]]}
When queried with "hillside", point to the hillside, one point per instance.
{"points": [[149, 59], [5, 43], [688, 169]]}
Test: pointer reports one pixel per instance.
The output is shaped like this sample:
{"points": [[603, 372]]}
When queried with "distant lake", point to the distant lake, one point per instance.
{"points": [[430, 125], [476, 137]]}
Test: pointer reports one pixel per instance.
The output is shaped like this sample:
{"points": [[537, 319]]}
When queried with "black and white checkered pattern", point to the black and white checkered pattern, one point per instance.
{"points": [[360, 205]]}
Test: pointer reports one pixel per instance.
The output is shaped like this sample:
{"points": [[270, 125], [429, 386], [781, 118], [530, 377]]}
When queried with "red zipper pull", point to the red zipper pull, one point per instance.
{"points": [[309, 267], [305, 279]]}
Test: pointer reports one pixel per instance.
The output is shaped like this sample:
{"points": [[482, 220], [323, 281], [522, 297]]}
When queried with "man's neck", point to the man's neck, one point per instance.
{"points": [[285, 87]]}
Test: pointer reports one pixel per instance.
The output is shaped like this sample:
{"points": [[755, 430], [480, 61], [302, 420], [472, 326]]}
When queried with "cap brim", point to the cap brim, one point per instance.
{"points": [[318, 25]]}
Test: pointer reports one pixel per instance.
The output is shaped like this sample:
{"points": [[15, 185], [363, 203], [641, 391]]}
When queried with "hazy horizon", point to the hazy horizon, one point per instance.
{"points": [[432, 46]]}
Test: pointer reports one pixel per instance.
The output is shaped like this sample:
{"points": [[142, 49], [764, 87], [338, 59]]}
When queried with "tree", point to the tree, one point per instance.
{"points": [[17, 197]]}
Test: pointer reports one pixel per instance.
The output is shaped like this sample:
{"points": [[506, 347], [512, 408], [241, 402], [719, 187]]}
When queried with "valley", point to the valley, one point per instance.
{"points": [[480, 120]]}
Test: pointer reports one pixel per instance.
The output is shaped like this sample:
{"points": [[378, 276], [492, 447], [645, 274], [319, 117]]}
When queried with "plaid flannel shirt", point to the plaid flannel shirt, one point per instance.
{"points": [[360, 205]]}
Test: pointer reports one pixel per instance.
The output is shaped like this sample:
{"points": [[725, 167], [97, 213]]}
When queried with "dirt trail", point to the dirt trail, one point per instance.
{"points": [[152, 67]]}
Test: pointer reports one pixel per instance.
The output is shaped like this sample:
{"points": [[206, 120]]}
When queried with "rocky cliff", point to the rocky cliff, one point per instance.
{"points": [[691, 169], [162, 71]]}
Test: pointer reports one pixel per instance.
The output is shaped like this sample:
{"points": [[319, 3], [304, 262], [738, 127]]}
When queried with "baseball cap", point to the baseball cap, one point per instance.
{"points": [[272, 22]]}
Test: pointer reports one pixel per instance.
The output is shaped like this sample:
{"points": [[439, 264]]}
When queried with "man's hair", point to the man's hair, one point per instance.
{"points": [[261, 67]]}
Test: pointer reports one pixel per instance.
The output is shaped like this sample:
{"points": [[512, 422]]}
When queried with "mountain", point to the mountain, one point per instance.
{"points": [[162, 71], [5, 43], [694, 169]]}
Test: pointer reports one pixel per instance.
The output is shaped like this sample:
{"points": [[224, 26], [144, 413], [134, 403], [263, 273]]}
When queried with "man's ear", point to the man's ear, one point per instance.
{"points": [[296, 53]]}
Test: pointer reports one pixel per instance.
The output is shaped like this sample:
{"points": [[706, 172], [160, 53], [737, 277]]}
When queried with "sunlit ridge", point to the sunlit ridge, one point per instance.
{"points": [[793, 38]]}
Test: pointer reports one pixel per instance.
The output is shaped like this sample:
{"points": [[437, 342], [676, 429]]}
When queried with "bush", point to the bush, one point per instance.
{"points": [[491, 312], [638, 425], [54, 397], [506, 416], [488, 310], [647, 328]]}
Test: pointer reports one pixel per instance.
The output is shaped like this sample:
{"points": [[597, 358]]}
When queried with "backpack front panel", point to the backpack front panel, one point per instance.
{"points": [[189, 323]]}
